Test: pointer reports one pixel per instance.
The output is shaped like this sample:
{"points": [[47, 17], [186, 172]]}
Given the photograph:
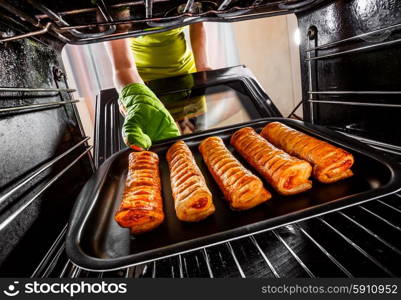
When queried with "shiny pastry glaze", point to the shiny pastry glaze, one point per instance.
{"points": [[330, 163], [241, 188], [141, 208], [287, 174], [192, 198]]}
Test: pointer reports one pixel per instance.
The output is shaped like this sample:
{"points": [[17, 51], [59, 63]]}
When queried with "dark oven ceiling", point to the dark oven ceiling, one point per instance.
{"points": [[90, 21]]}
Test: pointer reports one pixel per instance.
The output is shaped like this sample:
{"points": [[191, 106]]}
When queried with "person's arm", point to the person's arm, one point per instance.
{"points": [[123, 63], [199, 46], [146, 120]]}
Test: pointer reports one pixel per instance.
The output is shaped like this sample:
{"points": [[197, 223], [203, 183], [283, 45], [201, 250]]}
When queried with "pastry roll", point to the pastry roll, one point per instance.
{"points": [[192, 198], [329, 163], [141, 208], [241, 188], [287, 174]]}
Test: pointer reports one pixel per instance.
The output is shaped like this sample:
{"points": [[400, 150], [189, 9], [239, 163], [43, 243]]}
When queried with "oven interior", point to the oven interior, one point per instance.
{"points": [[349, 67]]}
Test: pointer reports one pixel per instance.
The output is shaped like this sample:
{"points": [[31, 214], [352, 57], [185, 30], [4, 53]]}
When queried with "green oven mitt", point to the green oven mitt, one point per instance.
{"points": [[146, 118]]}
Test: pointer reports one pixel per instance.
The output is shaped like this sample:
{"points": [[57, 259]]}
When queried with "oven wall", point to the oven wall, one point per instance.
{"points": [[273, 57], [34, 215], [374, 70]]}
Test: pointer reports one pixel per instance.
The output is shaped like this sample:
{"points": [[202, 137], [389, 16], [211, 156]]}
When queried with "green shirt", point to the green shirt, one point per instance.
{"points": [[161, 55]]}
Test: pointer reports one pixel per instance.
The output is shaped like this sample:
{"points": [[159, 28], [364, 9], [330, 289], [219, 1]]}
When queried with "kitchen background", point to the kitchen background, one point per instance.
{"points": [[269, 47]]}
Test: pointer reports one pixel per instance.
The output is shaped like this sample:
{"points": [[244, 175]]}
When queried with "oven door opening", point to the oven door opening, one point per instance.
{"points": [[327, 63]]}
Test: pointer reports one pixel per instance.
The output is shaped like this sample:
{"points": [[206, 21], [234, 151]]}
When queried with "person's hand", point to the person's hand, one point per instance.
{"points": [[146, 118]]}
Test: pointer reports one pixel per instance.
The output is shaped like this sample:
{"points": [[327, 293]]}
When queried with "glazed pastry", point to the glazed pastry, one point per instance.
{"points": [[192, 198], [329, 163], [141, 208], [241, 188], [287, 174]]}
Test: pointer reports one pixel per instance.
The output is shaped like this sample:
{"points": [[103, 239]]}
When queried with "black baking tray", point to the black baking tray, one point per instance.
{"points": [[96, 242]]}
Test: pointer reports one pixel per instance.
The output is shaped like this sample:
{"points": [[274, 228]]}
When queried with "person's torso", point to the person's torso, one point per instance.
{"points": [[162, 54]]}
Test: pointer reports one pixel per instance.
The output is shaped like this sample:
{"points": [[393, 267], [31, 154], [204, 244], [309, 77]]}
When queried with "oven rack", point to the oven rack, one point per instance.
{"points": [[54, 23], [313, 56], [306, 245], [81, 148], [8, 193], [389, 148], [35, 90], [36, 106], [358, 37], [361, 241]]}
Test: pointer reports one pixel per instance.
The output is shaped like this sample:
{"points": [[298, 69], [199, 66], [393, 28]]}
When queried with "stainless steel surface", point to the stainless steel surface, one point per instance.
{"points": [[21, 208]]}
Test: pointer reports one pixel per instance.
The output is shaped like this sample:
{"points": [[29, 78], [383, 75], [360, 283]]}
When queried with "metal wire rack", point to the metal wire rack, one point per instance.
{"points": [[39, 92], [108, 27], [35, 90], [349, 243], [361, 241]]}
